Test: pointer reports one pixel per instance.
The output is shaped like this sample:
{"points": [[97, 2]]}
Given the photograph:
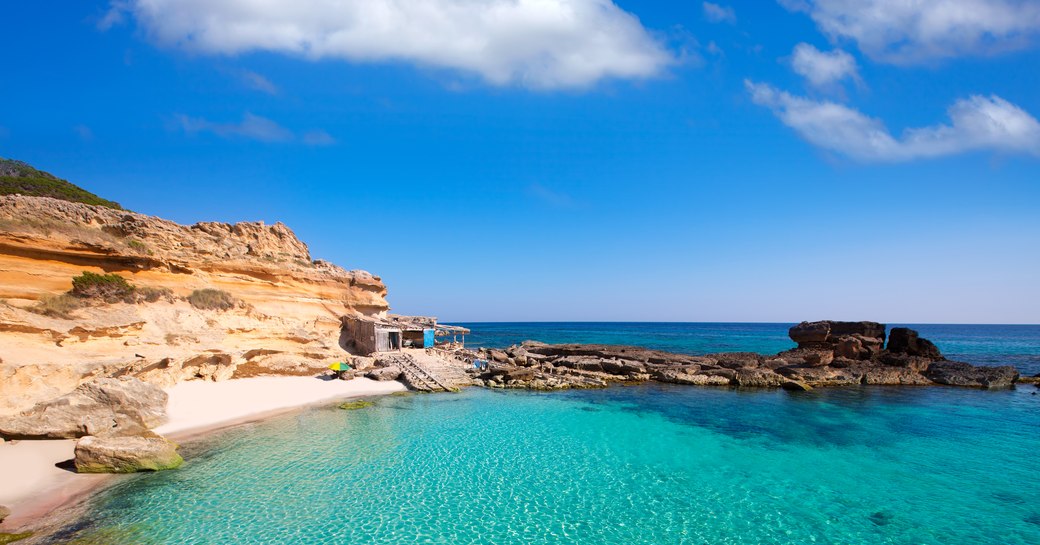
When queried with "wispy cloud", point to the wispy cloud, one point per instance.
{"points": [[719, 14], [257, 82], [318, 138], [904, 32], [549, 196], [251, 127], [115, 15], [545, 44], [976, 123], [823, 69]]}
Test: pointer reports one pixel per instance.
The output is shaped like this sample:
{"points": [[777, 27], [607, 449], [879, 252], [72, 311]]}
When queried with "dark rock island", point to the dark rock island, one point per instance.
{"points": [[829, 353]]}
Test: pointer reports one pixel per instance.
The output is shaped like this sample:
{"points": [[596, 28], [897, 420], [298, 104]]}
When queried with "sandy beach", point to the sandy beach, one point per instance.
{"points": [[31, 483]]}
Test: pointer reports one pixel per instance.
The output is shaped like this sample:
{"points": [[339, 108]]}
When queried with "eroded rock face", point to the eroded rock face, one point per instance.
{"points": [[288, 322], [828, 332], [955, 373], [126, 454], [907, 341], [104, 407]]}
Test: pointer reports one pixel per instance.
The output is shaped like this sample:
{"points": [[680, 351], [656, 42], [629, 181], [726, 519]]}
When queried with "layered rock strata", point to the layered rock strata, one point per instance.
{"points": [[287, 322]]}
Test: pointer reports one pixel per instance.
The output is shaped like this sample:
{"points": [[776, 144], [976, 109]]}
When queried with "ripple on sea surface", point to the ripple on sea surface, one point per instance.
{"points": [[623, 465]]}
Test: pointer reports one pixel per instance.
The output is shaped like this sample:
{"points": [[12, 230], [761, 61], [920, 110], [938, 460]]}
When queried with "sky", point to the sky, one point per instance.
{"points": [[559, 160]]}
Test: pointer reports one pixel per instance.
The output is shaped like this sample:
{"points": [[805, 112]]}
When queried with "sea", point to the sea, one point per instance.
{"points": [[650, 464]]}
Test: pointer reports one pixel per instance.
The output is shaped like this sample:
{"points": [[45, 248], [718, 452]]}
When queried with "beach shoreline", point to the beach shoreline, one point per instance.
{"points": [[40, 493]]}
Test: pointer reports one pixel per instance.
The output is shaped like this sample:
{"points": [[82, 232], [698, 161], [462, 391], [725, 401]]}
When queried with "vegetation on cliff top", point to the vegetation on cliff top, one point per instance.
{"points": [[17, 177]]}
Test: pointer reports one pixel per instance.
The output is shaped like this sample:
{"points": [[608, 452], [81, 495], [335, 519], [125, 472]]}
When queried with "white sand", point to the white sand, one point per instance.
{"points": [[198, 405], [29, 478]]}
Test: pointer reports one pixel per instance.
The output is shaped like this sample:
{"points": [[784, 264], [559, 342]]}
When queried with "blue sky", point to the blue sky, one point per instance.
{"points": [[571, 159]]}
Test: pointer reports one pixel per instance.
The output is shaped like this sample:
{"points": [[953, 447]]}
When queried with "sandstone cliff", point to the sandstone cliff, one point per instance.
{"points": [[288, 319]]}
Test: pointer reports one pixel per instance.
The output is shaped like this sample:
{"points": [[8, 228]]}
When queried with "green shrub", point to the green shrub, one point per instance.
{"points": [[11, 538], [58, 306], [151, 295], [211, 299], [138, 246], [17, 177], [110, 288]]}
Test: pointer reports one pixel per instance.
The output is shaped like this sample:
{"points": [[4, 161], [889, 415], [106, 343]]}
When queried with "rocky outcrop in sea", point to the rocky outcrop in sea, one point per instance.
{"points": [[828, 353]]}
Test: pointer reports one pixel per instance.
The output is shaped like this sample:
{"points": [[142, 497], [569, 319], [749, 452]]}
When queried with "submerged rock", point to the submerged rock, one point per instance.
{"points": [[103, 407], [126, 454], [355, 405]]}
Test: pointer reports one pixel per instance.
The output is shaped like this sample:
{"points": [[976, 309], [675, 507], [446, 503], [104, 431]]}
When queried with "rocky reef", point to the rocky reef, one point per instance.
{"points": [[286, 319], [828, 353]]}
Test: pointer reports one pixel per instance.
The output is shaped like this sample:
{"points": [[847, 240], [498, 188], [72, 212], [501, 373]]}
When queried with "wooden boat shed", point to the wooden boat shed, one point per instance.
{"points": [[371, 334]]}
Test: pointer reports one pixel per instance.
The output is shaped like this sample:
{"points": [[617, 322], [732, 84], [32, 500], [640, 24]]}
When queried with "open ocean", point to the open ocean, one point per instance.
{"points": [[654, 464]]}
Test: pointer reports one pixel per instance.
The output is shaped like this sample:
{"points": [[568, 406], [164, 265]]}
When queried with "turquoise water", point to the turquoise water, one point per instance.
{"points": [[635, 465], [1017, 345]]}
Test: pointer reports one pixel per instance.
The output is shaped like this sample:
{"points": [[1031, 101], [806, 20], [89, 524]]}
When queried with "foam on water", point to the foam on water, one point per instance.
{"points": [[650, 464]]}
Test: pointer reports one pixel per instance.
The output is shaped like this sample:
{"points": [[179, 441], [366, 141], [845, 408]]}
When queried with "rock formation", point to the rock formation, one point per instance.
{"points": [[103, 407], [828, 354], [126, 454], [288, 321]]}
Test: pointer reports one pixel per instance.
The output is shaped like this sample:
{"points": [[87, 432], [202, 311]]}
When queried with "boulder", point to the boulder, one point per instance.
{"points": [[383, 374], [758, 378], [818, 358], [857, 347], [907, 341], [917, 363], [103, 407], [4, 513], [795, 386], [126, 454], [808, 334], [955, 373]]}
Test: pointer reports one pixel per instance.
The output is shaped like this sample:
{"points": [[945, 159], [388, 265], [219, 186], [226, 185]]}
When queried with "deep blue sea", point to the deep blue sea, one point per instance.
{"points": [[653, 464], [1017, 345]]}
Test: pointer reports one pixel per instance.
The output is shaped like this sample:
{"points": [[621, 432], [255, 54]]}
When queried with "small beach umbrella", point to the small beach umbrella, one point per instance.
{"points": [[339, 366]]}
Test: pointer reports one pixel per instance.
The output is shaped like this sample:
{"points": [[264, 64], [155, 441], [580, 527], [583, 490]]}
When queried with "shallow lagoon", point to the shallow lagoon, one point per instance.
{"points": [[648, 464]]}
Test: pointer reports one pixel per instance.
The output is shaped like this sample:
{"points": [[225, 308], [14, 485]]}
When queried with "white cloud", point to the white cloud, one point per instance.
{"points": [[535, 43], [915, 31], [976, 123], [823, 69], [719, 14]]}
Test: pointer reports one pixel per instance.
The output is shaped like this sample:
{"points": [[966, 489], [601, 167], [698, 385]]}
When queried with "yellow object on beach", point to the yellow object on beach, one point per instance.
{"points": [[340, 366]]}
